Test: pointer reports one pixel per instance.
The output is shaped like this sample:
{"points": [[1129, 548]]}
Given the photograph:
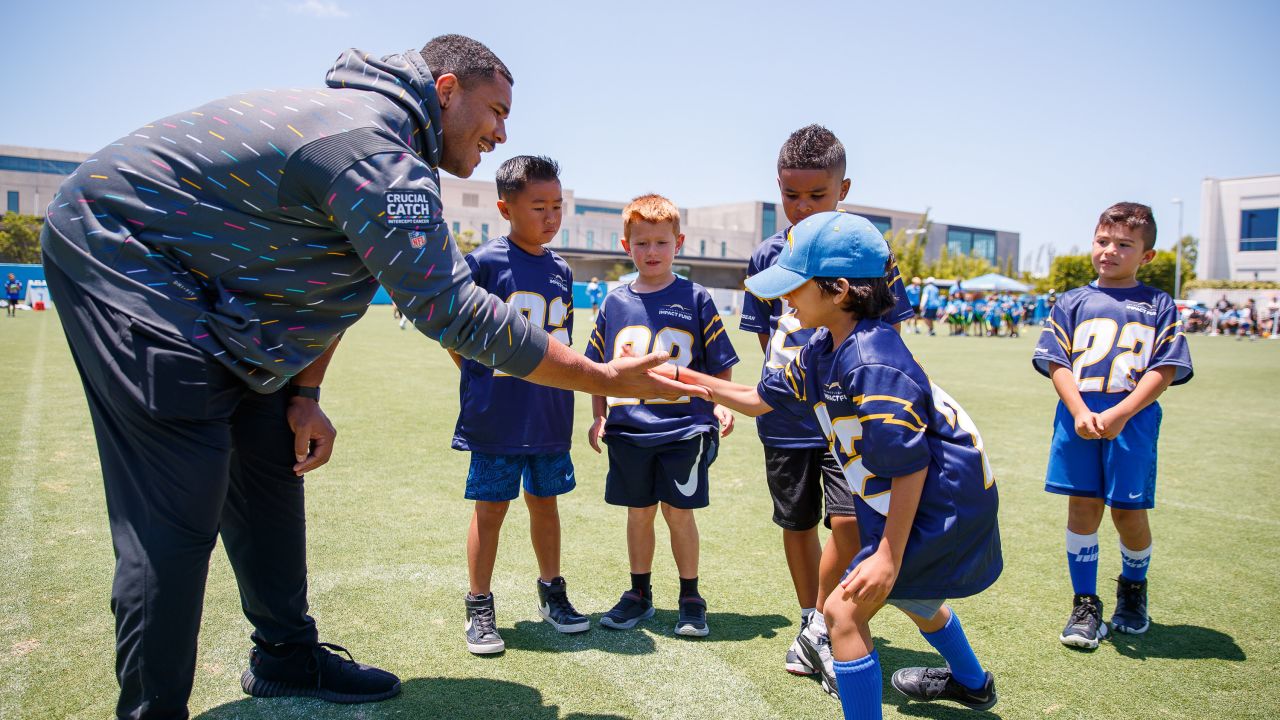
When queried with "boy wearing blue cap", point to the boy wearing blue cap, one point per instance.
{"points": [[925, 497]]}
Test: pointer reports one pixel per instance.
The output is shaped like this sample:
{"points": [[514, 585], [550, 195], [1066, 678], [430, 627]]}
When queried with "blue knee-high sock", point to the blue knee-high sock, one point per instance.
{"points": [[951, 642], [1134, 563], [1082, 562], [859, 683]]}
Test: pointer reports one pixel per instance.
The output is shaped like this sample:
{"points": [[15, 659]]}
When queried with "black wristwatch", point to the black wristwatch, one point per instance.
{"points": [[305, 392]]}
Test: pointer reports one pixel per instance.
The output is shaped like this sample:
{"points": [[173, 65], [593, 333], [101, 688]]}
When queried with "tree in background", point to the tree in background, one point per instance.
{"points": [[20, 238], [466, 241], [1072, 271], [909, 249]]}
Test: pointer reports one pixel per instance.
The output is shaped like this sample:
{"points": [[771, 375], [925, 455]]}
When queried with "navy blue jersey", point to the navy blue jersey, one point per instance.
{"points": [[680, 319], [792, 426], [12, 288], [883, 418], [498, 413], [1109, 337]]}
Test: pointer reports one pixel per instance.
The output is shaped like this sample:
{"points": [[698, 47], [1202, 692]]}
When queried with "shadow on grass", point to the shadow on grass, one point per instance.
{"points": [[725, 627], [1178, 642], [893, 659], [452, 698]]}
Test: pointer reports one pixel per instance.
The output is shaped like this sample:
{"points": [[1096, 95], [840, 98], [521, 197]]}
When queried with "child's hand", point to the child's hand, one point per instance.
{"points": [[725, 416], [595, 432], [1088, 426], [1110, 423], [872, 580], [666, 370]]}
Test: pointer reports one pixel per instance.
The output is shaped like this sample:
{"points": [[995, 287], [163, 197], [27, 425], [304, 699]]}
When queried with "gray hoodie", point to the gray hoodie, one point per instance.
{"points": [[258, 226]]}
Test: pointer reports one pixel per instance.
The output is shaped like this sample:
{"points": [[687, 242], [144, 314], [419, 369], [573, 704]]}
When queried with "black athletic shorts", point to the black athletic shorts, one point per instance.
{"points": [[800, 480], [675, 473]]}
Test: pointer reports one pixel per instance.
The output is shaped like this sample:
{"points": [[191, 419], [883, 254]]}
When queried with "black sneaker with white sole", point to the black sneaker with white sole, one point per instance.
{"points": [[692, 621], [815, 653], [482, 626], [314, 671], [929, 684], [1131, 607], [795, 662], [555, 608], [1084, 628], [630, 610]]}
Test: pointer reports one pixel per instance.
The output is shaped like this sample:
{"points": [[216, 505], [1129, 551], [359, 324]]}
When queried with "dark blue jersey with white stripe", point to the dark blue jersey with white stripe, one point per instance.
{"points": [[504, 415], [680, 319], [883, 418], [792, 425]]}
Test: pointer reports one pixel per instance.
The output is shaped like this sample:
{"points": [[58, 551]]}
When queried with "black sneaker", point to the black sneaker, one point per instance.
{"points": [[928, 684], [555, 608], [1131, 607], [631, 609], [314, 671], [482, 626], [815, 653], [1085, 627], [693, 617]]}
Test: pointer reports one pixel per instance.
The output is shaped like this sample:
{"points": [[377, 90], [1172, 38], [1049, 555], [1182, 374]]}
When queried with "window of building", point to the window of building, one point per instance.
{"points": [[1258, 229], [36, 165], [457, 228], [724, 248], [768, 220], [564, 238], [702, 247], [484, 232], [591, 239], [980, 243], [580, 209], [470, 200], [13, 201], [613, 241], [882, 223]]}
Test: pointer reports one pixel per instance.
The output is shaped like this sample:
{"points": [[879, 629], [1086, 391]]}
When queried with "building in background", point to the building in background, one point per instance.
{"points": [[29, 177], [1238, 228]]}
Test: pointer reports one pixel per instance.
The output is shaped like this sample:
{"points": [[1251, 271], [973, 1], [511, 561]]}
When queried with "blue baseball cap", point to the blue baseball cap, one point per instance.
{"points": [[828, 244]]}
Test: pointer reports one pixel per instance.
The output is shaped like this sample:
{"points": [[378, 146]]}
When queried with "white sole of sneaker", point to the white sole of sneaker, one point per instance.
{"points": [[611, 623], [691, 631], [567, 628], [1129, 630], [489, 649], [1083, 642]]}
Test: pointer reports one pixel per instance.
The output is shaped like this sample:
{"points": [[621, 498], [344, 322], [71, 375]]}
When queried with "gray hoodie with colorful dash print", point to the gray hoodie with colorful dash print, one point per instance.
{"points": [[259, 226]]}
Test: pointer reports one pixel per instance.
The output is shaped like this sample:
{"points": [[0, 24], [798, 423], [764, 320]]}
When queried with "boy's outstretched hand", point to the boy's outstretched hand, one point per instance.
{"points": [[653, 368], [725, 416]]}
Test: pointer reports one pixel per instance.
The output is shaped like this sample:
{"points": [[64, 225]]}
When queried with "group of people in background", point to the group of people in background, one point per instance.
{"points": [[978, 313], [1243, 320]]}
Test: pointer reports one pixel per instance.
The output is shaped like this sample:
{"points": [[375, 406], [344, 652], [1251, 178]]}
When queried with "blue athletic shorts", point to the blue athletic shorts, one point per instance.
{"points": [[675, 473], [496, 478], [1122, 471]]}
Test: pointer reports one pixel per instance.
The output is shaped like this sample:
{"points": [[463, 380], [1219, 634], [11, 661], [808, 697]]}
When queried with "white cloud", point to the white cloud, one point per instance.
{"points": [[320, 9]]}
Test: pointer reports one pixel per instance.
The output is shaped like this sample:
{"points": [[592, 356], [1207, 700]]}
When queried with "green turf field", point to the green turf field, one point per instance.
{"points": [[387, 528]]}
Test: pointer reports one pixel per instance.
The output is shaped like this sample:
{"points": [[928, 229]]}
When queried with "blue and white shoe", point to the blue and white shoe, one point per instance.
{"points": [[795, 661], [693, 617], [629, 611]]}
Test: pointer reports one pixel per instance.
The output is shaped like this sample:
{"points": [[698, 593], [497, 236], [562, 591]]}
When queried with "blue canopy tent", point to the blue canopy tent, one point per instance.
{"points": [[994, 282]]}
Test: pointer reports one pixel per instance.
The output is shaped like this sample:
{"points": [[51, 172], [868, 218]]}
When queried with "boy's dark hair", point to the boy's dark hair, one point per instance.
{"points": [[812, 147], [867, 297], [1134, 216], [519, 171], [461, 56]]}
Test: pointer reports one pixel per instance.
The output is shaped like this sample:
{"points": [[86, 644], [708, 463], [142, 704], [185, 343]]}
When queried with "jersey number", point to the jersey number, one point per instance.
{"points": [[642, 341], [1097, 337], [535, 309]]}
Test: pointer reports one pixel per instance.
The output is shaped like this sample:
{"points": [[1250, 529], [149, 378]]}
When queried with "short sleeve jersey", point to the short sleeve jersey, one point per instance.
{"points": [[884, 419], [681, 319], [12, 288], [504, 415], [1109, 337], [792, 426]]}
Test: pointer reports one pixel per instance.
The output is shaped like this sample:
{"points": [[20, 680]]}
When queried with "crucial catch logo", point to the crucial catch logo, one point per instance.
{"points": [[407, 207]]}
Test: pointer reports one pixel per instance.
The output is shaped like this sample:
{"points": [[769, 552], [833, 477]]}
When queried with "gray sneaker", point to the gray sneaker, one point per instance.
{"points": [[815, 653], [795, 661], [482, 626], [1084, 628]]}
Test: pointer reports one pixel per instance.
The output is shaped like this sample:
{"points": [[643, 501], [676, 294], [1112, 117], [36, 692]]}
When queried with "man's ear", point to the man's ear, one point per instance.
{"points": [[447, 89]]}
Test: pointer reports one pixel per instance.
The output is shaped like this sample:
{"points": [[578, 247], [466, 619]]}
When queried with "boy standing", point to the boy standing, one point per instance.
{"points": [[1110, 348], [925, 495], [659, 451], [801, 474], [13, 293], [516, 430]]}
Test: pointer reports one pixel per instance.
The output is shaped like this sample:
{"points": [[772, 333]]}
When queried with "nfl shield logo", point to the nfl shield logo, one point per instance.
{"points": [[417, 239]]}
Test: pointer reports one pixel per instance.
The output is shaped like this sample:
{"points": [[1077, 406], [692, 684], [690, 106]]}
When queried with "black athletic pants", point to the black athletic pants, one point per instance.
{"points": [[188, 452]]}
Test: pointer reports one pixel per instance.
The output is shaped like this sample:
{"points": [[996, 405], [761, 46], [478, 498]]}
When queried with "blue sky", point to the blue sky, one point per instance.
{"points": [[1025, 116]]}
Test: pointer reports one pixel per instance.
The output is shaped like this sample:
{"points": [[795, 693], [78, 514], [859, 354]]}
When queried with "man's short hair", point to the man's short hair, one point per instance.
{"points": [[466, 58], [515, 174], [812, 147], [1134, 216], [650, 208]]}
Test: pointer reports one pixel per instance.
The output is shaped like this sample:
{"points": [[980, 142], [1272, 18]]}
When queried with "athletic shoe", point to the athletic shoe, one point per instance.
{"points": [[693, 617], [929, 684], [1085, 627], [1131, 607], [555, 608], [482, 626], [314, 671], [631, 609], [795, 660], [815, 653]]}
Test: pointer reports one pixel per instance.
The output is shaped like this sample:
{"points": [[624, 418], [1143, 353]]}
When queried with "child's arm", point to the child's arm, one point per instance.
{"points": [[456, 358], [873, 578], [600, 411], [742, 398], [1150, 385], [1088, 424], [764, 341], [722, 413]]}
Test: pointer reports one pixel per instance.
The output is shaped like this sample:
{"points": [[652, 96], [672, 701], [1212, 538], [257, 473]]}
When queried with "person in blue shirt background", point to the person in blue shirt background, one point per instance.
{"points": [[13, 293], [514, 429], [914, 292], [930, 302], [659, 451]]}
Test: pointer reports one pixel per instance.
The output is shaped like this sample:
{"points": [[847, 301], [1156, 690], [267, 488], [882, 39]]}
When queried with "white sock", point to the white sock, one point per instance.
{"points": [[817, 625]]}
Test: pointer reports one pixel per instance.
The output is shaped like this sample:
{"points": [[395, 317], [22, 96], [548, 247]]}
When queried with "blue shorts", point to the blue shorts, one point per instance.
{"points": [[496, 478], [1122, 471], [675, 473]]}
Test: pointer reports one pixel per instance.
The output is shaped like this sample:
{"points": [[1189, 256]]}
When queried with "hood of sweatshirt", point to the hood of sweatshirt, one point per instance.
{"points": [[406, 80]]}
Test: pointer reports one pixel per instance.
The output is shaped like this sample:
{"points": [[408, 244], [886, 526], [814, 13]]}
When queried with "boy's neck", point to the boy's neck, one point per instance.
{"points": [[653, 284], [532, 248], [841, 327], [1118, 284]]}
